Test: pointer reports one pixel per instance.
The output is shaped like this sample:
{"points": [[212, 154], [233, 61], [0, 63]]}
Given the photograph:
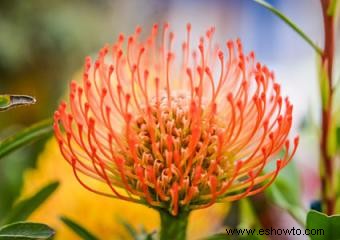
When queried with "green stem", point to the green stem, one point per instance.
{"points": [[328, 177], [173, 227]]}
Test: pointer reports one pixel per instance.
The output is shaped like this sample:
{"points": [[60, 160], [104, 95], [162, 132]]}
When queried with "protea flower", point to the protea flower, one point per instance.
{"points": [[176, 130]]}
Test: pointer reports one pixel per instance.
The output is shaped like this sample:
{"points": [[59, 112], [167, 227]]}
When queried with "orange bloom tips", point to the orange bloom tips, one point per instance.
{"points": [[177, 130]]}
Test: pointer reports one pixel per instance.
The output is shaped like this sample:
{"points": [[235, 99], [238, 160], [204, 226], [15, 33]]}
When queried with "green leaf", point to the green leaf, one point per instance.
{"points": [[141, 234], [290, 23], [79, 230], [26, 136], [26, 207], [284, 192], [327, 227], [129, 228], [26, 231], [11, 101]]}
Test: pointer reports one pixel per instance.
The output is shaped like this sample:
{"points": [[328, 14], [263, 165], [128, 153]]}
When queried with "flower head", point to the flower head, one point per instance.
{"points": [[175, 131]]}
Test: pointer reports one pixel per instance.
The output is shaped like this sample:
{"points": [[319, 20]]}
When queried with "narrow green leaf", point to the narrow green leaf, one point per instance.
{"points": [[26, 136], [79, 230], [140, 234], [324, 227], [11, 101], [26, 207], [290, 23], [26, 231], [129, 228]]}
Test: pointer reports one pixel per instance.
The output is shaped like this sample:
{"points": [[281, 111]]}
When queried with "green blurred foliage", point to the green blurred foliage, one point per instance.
{"points": [[44, 43], [13, 226], [42, 46], [11, 171], [285, 192]]}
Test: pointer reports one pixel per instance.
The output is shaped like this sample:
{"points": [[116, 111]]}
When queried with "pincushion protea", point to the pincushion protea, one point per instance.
{"points": [[175, 131]]}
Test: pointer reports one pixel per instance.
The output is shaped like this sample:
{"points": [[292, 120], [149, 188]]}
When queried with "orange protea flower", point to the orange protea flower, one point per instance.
{"points": [[175, 131]]}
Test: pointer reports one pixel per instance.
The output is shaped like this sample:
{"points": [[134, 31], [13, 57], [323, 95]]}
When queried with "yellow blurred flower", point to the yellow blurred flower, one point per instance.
{"points": [[97, 213]]}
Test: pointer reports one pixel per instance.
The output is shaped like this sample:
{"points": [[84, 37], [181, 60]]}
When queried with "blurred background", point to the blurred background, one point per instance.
{"points": [[43, 45]]}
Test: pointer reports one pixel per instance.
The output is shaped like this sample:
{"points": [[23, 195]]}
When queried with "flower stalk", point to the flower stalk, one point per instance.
{"points": [[327, 161], [173, 227]]}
